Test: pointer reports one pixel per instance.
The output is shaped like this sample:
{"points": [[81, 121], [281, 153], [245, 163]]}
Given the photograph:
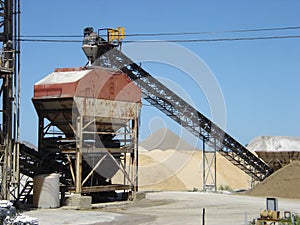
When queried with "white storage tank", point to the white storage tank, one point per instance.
{"points": [[46, 191]]}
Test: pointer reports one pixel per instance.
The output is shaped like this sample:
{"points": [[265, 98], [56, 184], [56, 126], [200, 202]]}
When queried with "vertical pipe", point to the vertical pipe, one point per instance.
{"points": [[203, 164], [203, 216], [215, 166], [41, 132], [136, 147], [125, 164], [19, 91], [133, 125], [78, 187], [14, 77], [16, 131], [130, 158]]}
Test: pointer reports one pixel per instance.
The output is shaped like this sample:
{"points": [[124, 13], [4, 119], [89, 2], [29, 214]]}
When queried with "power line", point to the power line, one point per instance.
{"points": [[176, 33], [51, 36], [216, 32], [48, 40], [221, 39], [174, 41]]}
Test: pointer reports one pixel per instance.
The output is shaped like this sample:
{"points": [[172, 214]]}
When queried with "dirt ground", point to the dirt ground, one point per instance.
{"points": [[168, 208]]}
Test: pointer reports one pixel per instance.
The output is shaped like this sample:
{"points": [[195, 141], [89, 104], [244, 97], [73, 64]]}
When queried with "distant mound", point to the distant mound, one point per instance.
{"points": [[284, 183], [173, 170], [165, 139], [274, 143], [277, 151]]}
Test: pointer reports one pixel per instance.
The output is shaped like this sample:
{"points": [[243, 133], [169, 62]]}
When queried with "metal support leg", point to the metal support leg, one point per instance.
{"points": [[136, 155], [209, 168], [78, 187], [203, 164]]}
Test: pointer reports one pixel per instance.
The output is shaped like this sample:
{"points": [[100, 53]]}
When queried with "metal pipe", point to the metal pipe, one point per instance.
{"points": [[203, 164], [78, 186], [136, 153]]}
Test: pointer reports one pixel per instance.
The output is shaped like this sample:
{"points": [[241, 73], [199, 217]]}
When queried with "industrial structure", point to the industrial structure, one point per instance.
{"points": [[88, 120], [276, 151], [10, 97], [89, 117], [173, 106]]}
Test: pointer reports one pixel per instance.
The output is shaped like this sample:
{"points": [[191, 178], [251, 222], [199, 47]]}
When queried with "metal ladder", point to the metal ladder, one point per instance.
{"points": [[187, 116], [23, 196]]}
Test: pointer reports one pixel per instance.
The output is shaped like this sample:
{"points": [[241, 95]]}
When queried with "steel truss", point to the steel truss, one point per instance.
{"points": [[187, 116], [87, 146], [106, 151], [209, 168], [10, 95]]}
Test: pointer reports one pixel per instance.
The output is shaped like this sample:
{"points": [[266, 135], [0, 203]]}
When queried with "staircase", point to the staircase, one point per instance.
{"points": [[25, 193], [33, 163]]}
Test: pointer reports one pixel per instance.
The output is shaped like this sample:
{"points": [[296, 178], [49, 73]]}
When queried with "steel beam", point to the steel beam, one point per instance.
{"points": [[186, 115], [10, 95]]}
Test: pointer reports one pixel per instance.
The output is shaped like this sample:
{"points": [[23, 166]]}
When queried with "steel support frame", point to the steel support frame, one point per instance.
{"points": [[209, 167], [49, 133], [10, 96], [187, 116], [71, 149], [127, 163]]}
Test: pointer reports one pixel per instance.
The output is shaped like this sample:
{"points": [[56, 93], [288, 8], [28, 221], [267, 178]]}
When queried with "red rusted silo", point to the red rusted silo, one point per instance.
{"points": [[91, 112]]}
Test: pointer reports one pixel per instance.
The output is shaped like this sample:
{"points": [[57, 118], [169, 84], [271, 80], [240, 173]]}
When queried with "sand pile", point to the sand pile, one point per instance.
{"points": [[165, 139], [173, 170], [175, 165], [182, 170], [284, 183]]}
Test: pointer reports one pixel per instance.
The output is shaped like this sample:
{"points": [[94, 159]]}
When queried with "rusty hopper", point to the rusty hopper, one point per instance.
{"points": [[88, 119]]}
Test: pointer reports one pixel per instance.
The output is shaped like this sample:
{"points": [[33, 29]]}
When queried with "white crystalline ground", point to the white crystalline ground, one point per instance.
{"points": [[274, 143]]}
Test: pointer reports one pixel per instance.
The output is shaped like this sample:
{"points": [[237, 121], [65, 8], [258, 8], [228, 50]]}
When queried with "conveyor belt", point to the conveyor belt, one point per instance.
{"points": [[187, 116], [34, 163]]}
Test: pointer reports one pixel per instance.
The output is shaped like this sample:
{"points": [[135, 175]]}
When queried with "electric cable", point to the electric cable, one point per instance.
{"points": [[174, 40], [176, 33]]}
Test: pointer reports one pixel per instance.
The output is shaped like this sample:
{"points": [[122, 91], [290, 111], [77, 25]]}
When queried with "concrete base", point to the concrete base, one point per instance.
{"points": [[78, 201]]}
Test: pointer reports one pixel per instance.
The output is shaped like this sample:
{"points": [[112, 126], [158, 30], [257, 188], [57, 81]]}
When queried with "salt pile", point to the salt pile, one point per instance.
{"points": [[274, 143]]}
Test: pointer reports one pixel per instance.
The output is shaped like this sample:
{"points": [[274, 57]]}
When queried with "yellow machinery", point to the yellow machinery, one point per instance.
{"points": [[268, 217], [271, 215], [115, 35]]}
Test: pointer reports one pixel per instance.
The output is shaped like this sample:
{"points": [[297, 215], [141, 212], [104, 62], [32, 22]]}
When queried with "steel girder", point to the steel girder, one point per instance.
{"points": [[187, 116]]}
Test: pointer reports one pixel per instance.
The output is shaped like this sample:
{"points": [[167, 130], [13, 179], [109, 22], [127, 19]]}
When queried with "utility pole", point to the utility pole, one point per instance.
{"points": [[10, 95]]}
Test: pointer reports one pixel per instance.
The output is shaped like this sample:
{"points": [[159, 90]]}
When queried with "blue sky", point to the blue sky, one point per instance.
{"points": [[259, 79]]}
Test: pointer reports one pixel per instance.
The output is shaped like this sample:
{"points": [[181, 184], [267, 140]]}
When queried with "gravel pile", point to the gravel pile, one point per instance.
{"points": [[284, 183]]}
